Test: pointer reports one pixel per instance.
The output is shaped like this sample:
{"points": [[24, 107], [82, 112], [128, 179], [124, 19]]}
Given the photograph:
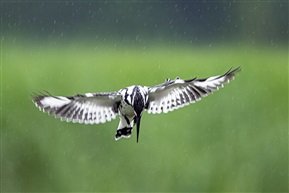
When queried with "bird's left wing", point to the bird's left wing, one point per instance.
{"points": [[89, 108], [174, 94]]}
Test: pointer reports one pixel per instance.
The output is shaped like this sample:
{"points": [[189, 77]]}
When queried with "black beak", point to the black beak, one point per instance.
{"points": [[137, 122]]}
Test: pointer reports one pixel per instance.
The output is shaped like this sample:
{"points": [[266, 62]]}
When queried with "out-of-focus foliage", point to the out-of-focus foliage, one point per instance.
{"points": [[139, 21], [233, 140]]}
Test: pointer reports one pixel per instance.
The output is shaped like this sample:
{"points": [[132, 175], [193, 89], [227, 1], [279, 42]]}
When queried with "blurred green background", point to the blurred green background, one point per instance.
{"points": [[235, 140]]}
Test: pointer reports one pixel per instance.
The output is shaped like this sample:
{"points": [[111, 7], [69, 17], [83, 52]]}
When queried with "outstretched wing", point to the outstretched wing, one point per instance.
{"points": [[174, 94], [89, 108]]}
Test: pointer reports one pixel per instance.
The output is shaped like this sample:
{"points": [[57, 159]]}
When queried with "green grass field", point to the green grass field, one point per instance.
{"points": [[233, 140]]}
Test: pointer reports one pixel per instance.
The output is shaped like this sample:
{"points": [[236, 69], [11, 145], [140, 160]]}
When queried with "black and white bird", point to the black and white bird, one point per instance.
{"points": [[130, 102]]}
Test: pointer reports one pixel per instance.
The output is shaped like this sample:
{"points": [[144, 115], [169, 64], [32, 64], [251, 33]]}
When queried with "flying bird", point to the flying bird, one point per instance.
{"points": [[130, 102]]}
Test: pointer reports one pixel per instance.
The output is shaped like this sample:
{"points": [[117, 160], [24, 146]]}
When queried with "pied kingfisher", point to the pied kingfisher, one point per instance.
{"points": [[130, 102]]}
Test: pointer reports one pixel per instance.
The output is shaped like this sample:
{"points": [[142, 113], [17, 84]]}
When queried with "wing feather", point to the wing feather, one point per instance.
{"points": [[174, 94], [90, 108]]}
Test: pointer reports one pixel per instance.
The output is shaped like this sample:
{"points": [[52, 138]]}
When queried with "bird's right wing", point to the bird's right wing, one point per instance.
{"points": [[89, 108], [174, 94]]}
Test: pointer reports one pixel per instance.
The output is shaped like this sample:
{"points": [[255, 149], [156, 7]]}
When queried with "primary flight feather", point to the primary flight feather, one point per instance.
{"points": [[130, 102]]}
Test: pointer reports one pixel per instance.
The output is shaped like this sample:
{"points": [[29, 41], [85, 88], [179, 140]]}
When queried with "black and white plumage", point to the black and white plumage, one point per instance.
{"points": [[130, 102]]}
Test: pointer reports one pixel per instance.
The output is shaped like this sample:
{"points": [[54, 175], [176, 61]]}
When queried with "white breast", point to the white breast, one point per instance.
{"points": [[126, 109]]}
